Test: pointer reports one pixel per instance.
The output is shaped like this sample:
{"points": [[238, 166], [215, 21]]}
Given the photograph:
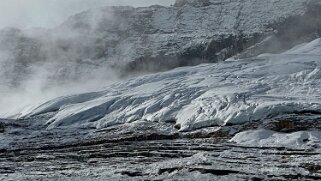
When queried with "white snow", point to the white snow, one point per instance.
{"points": [[267, 138], [201, 96]]}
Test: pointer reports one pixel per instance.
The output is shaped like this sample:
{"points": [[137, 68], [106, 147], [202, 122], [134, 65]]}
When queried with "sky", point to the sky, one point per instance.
{"points": [[50, 13]]}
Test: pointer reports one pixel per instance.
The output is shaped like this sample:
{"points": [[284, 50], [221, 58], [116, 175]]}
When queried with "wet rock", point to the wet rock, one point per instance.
{"points": [[214, 171], [312, 167], [132, 174], [2, 127]]}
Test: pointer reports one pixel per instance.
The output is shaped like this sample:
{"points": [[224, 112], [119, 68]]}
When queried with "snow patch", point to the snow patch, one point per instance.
{"points": [[262, 137]]}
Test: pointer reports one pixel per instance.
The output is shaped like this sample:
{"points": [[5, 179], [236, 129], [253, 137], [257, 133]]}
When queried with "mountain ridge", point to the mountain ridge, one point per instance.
{"points": [[159, 38]]}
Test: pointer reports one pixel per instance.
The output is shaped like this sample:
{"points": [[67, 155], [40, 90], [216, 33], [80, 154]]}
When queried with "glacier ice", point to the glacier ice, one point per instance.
{"points": [[206, 95]]}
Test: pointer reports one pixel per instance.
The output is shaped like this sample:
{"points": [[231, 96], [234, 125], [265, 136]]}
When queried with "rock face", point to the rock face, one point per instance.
{"points": [[157, 38]]}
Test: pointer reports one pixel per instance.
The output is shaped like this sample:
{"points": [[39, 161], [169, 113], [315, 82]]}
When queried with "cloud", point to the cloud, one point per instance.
{"points": [[46, 70], [50, 13]]}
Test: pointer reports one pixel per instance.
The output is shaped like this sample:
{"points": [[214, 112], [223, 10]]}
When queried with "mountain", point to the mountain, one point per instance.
{"points": [[159, 38], [241, 101]]}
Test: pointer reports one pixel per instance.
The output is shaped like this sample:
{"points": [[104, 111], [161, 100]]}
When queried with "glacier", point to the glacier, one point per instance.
{"points": [[227, 93]]}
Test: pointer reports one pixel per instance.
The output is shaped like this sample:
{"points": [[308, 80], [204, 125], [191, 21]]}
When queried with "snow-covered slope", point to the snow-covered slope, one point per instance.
{"points": [[205, 95]]}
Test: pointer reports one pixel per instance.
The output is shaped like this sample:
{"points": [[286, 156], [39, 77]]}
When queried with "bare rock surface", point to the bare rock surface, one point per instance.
{"points": [[146, 151]]}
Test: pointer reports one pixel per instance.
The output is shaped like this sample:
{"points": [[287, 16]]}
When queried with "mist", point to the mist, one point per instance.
{"points": [[37, 65], [50, 13]]}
